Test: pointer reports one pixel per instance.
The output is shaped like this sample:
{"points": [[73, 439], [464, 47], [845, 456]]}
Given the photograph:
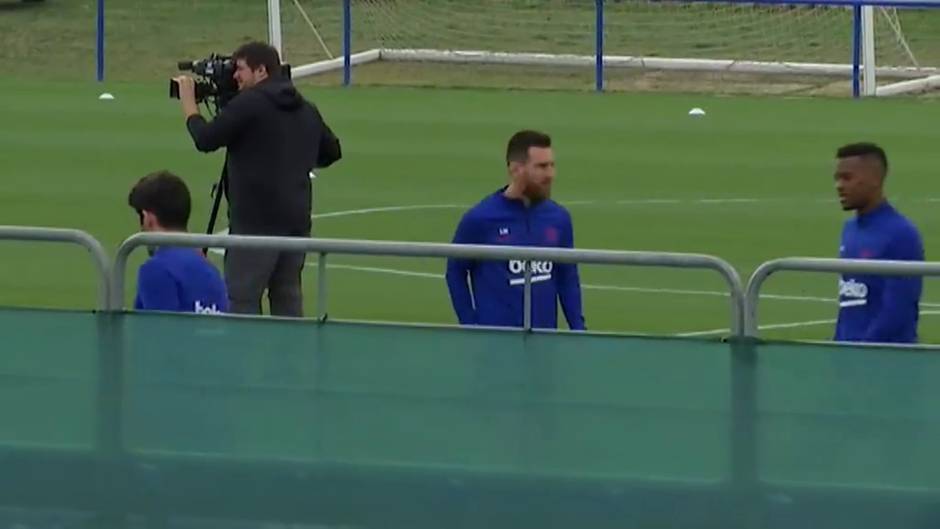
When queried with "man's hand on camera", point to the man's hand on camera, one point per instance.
{"points": [[187, 95]]}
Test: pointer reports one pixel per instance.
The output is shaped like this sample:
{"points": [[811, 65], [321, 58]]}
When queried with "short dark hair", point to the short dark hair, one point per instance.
{"points": [[257, 54], [519, 144], [864, 149], [165, 195]]}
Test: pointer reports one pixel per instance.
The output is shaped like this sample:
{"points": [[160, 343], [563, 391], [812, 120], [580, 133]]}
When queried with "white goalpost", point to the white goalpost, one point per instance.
{"points": [[274, 26], [886, 49]]}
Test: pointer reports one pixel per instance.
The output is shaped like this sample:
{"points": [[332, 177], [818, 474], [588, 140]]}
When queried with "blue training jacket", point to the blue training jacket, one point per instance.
{"points": [[491, 292], [873, 308], [180, 280]]}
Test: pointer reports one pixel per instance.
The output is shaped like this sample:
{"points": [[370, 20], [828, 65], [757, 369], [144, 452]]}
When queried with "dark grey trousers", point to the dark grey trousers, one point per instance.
{"points": [[248, 273]]}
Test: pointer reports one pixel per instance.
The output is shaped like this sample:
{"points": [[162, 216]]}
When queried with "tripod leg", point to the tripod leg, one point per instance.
{"points": [[219, 191]]}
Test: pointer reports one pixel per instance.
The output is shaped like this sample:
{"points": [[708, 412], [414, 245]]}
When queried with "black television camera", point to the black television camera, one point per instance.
{"points": [[218, 81]]}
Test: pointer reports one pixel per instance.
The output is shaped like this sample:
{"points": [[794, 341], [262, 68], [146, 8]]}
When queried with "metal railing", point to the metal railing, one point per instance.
{"points": [[744, 301], [67, 236], [324, 247], [812, 264]]}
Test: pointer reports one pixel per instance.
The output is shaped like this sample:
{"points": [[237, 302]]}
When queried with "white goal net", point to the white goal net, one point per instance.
{"points": [[701, 45]]}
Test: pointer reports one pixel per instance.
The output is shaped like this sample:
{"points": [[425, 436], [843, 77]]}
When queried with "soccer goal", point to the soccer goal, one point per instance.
{"points": [[880, 47]]}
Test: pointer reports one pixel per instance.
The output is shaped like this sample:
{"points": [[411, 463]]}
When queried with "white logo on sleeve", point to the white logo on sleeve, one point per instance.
{"points": [[541, 271], [852, 293], [203, 309]]}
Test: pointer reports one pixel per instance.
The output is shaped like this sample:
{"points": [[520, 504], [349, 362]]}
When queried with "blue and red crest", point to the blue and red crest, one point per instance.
{"points": [[551, 234]]}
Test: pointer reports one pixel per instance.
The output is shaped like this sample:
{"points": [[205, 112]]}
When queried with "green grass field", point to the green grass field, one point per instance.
{"points": [[749, 182], [73, 159]]}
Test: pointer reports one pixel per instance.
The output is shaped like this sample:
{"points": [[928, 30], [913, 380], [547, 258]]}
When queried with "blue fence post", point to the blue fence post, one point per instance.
{"points": [[856, 50], [99, 45], [599, 46], [347, 42]]}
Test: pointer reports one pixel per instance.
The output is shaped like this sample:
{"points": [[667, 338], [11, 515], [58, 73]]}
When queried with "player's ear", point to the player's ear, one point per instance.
{"points": [[148, 221]]}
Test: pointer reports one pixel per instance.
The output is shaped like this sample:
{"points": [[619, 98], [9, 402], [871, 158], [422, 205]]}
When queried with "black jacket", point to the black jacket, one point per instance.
{"points": [[274, 138]]}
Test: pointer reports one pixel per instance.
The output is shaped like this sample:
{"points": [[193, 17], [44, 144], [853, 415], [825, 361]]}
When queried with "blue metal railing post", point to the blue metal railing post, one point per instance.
{"points": [[856, 50], [99, 44], [599, 46], [347, 42]]}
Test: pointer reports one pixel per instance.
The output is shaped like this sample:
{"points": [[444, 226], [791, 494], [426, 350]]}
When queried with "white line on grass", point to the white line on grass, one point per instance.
{"points": [[713, 293], [363, 211], [386, 209], [389, 271], [586, 286], [718, 201], [712, 332], [649, 201], [611, 288], [728, 200], [793, 325], [626, 202]]}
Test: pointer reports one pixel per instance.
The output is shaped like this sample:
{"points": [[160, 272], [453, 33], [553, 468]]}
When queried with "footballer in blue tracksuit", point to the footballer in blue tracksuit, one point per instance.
{"points": [[173, 279], [875, 308], [490, 293], [180, 280]]}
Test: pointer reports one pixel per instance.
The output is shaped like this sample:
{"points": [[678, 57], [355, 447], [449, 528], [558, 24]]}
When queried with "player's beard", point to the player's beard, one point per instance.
{"points": [[536, 193]]}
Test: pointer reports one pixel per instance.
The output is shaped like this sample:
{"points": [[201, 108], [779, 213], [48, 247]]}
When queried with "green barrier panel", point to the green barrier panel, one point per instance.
{"points": [[48, 378], [844, 417], [161, 419], [483, 401]]}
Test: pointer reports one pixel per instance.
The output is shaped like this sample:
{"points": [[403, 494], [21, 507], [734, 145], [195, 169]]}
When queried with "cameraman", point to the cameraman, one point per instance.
{"points": [[274, 138]]}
